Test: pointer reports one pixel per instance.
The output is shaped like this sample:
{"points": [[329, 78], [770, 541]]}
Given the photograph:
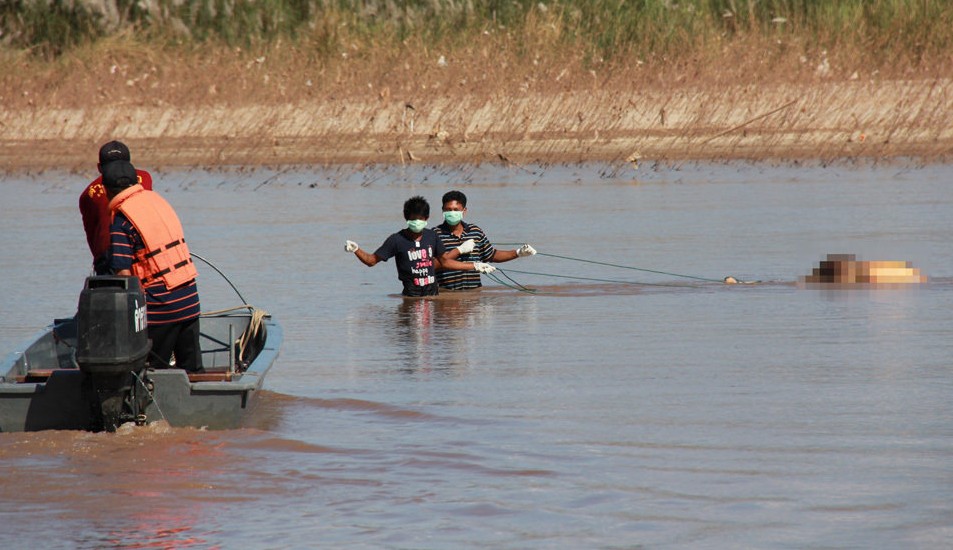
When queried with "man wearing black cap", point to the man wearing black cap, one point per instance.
{"points": [[147, 241], [94, 206]]}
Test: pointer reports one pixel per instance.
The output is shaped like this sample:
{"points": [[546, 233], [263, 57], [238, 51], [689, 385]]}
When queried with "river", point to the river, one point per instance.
{"points": [[610, 408]]}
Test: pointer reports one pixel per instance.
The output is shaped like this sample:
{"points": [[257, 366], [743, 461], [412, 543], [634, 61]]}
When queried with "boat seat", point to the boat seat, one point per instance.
{"points": [[211, 377], [33, 376]]}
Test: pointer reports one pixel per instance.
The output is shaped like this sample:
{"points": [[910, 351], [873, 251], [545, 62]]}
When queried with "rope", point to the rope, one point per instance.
{"points": [[252, 332], [227, 310], [682, 275], [632, 268], [514, 286], [219, 271], [590, 278], [524, 288], [254, 329], [149, 393]]}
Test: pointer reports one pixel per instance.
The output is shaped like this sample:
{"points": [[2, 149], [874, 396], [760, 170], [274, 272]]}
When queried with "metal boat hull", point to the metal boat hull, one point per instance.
{"points": [[41, 387]]}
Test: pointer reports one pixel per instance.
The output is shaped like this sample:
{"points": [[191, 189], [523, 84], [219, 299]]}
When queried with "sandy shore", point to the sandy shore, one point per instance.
{"points": [[822, 120]]}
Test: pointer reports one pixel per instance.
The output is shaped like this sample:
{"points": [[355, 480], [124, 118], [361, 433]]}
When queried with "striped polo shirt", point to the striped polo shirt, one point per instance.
{"points": [[163, 306], [482, 252]]}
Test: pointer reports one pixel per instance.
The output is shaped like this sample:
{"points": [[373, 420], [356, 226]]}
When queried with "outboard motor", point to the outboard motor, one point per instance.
{"points": [[112, 345]]}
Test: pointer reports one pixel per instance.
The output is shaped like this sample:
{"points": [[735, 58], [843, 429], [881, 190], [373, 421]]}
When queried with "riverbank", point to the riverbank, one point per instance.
{"points": [[285, 83], [277, 109]]}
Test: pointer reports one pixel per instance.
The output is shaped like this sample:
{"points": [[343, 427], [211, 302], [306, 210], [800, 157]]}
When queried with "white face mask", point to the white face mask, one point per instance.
{"points": [[416, 226]]}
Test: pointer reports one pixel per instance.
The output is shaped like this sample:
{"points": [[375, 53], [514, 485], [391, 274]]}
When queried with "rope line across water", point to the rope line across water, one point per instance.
{"points": [[589, 278], [730, 280], [515, 284], [631, 267]]}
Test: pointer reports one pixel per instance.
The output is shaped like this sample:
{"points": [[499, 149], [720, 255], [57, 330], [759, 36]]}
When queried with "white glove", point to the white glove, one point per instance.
{"points": [[483, 267], [525, 250], [350, 246], [467, 246]]}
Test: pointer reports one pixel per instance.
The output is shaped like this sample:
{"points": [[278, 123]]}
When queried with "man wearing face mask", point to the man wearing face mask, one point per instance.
{"points": [[418, 252], [466, 241]]}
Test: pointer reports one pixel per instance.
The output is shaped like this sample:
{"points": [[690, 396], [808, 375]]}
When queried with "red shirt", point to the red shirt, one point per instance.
{"points": [[94, 206]]}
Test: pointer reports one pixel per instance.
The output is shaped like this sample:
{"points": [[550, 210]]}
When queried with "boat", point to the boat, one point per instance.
{"points": [[845, 270], [91, 371]]}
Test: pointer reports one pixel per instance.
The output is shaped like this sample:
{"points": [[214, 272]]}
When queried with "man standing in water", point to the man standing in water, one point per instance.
{"points": [[466, 241], [147, 242], [418, 252], [94, 206]]}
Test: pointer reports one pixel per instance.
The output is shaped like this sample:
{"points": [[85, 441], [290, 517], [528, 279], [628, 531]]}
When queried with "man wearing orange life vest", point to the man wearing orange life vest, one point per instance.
{"points": [[94, 206], [147, 241]]}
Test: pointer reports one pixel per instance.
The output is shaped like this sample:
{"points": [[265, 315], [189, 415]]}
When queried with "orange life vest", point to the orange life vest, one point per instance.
{"points": [[165, 255]]}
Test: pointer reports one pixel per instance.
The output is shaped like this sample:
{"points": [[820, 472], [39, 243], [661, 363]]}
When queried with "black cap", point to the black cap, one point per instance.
{"points": [[118, 175], [114, 150]]}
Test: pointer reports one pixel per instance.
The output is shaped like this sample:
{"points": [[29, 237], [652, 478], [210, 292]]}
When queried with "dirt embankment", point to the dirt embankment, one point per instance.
{"points": [[826, 120]]}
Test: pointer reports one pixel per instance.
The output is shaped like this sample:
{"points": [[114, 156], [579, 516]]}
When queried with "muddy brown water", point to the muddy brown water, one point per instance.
{"points": [[611, 408]]}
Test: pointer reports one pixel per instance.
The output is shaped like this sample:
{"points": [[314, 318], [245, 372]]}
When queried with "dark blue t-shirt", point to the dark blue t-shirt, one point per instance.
{"points": [[415, 260]]}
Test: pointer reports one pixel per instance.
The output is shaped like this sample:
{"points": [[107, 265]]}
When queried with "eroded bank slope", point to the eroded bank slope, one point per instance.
{"points": [[819, 120]]}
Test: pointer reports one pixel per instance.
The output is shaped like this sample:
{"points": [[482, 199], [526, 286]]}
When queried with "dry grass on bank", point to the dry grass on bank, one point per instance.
{"points": [[489, 101], [120, 69]]}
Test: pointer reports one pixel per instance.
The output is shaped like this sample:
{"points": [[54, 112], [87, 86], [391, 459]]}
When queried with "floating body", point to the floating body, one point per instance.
{"points": [[845, 269]]}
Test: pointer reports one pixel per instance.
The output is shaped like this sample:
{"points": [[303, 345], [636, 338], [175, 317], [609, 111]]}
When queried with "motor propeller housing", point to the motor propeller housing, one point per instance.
{"points": [[112, 345]]}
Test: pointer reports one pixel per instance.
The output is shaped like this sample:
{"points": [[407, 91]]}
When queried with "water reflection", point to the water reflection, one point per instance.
{"points": [[153, 529], [450, 332], [432, 333], [414, 336]]}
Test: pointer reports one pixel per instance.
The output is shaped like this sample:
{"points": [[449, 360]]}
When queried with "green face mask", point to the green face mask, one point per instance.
{"points": [[453, 217], [416, 226]]}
